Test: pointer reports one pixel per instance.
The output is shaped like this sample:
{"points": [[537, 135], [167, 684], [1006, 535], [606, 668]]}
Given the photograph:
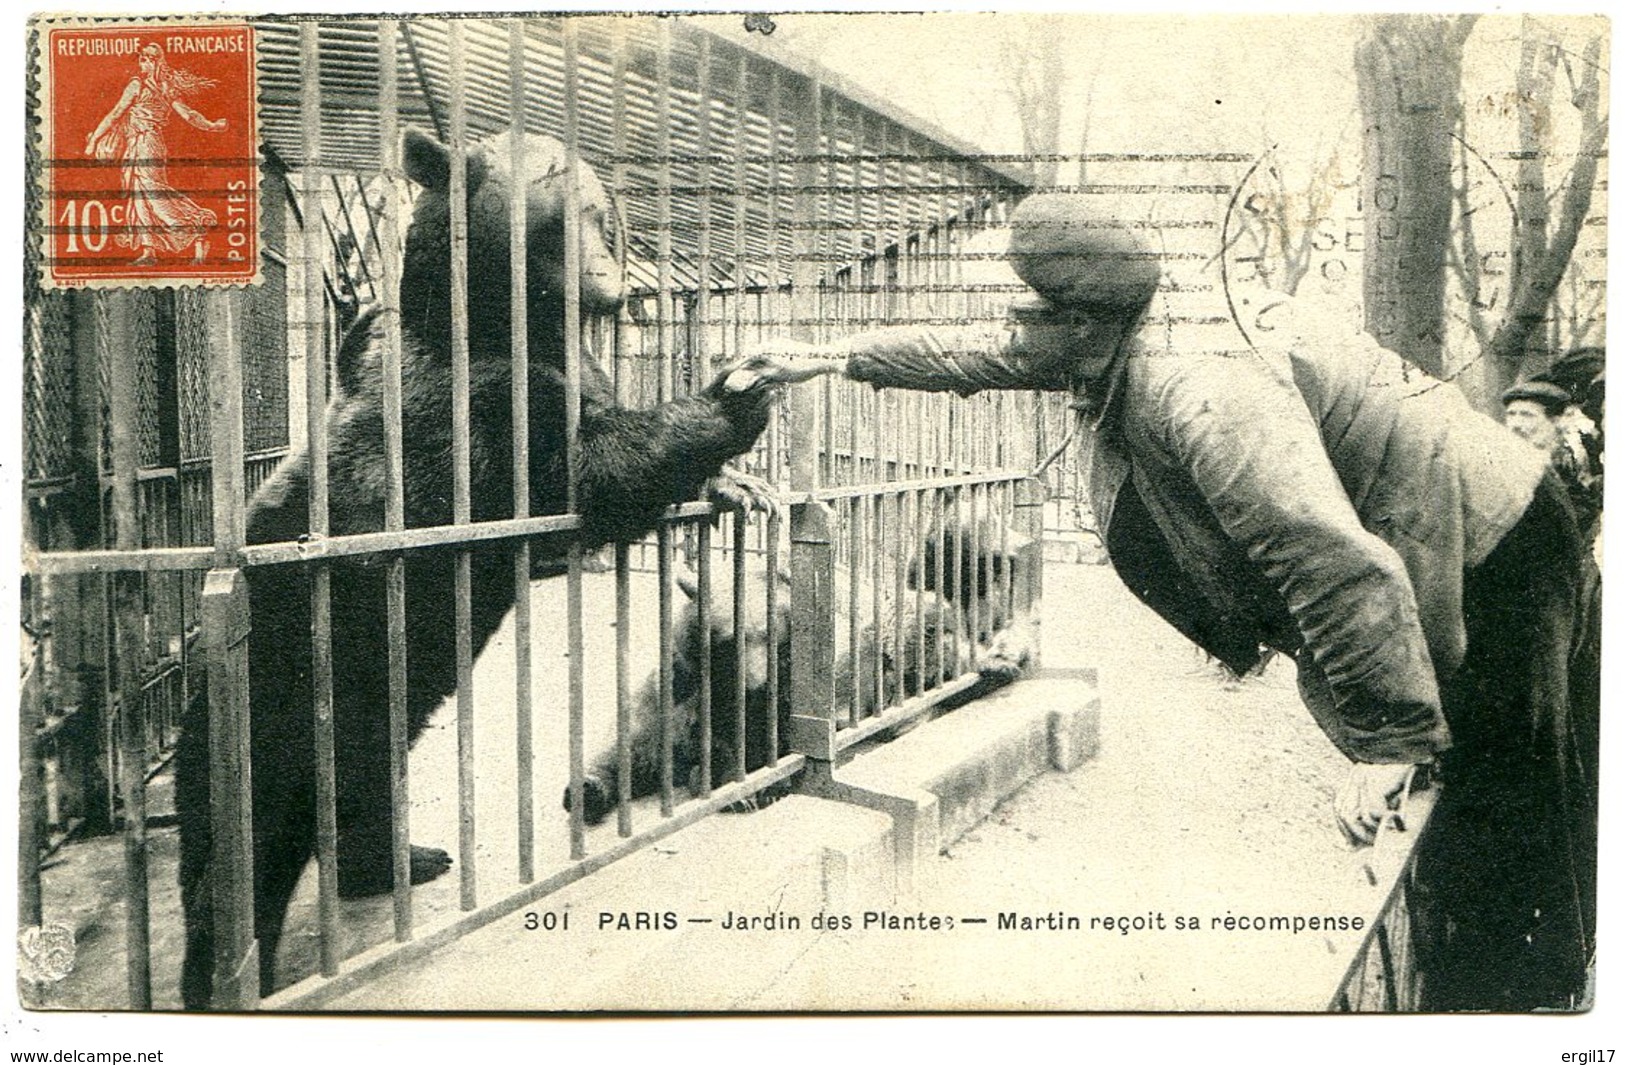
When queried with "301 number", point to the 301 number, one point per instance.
{"points": [[547, 922]]}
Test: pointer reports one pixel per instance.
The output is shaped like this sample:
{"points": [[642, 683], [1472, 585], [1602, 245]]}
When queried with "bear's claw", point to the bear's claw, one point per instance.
{"points": [[743, 491]]}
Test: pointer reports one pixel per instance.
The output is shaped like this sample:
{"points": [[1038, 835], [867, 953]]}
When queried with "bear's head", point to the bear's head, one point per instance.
{"points": [[759, 640], [425, 278]]}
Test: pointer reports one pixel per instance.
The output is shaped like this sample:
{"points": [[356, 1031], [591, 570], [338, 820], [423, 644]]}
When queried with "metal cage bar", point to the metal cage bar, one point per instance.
{"points": [[316, 441], [572, 413], [129, 737], [461, 503], [518, 224]]}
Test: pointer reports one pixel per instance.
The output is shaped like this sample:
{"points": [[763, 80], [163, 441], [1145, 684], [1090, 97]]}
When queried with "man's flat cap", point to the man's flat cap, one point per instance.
{"points": [[1552, 397], [1064, 247]]}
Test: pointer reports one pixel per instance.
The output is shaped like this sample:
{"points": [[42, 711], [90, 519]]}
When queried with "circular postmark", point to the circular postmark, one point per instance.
{"points": [[1292, 229], [45, 953], [1311, 228]]}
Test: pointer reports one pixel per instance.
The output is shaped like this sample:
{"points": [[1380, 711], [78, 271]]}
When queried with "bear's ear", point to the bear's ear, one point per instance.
{"points": [[426, 160]]}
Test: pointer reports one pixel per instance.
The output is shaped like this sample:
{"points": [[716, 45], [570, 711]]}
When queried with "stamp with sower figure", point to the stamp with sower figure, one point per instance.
{"points": [[150, 167]]}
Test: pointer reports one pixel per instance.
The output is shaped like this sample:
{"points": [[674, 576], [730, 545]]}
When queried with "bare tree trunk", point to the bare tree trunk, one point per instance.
{"points": [[1538, 264], [1408, 69]]}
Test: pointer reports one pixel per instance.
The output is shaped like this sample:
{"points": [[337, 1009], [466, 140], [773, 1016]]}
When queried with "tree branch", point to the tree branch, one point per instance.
{"points": [[1539, 280]]}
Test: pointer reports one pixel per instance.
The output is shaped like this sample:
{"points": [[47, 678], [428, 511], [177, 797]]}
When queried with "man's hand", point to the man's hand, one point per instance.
{"points": [[781, 362], [1369, 794]]}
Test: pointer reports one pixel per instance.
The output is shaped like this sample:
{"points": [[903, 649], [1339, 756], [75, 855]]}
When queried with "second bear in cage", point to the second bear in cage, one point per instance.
{"points": [[976, 565]]}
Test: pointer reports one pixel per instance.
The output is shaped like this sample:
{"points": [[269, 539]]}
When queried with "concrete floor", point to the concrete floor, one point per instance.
{"points": [[1208, 798]]}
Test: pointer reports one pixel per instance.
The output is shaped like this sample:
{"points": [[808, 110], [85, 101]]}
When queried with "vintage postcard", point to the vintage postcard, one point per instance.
{"points": [[801, 512]]}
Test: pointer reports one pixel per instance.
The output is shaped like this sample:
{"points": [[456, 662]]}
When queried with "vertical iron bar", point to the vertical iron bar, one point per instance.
{"points": [[812, 647], [871, 504], [524, 739], [575, 638], [665, 311], [124, 437], [1006, 512], [979, 508], [704, 606], [855, 397], [915, 542], [775, 528], [700, 330], [619, 62], [740, 203], [944, 611], [775, 266], [623, 689], [663, 554], [457, 122], [740, 694], [389, 147], [879, 401], [948, 302], [854, 606], [899, 582], [824, 144], [316, 443], [960, 614]]}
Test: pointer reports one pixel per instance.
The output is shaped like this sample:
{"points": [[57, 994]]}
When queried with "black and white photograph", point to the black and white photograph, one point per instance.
{"points": [[675, 514]]}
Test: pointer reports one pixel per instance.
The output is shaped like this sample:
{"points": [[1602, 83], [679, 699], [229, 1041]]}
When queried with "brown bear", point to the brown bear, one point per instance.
{"points": [[633, 464]]}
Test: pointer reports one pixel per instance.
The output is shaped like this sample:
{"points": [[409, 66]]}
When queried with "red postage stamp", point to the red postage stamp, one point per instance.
{"points": [[150, 164]]}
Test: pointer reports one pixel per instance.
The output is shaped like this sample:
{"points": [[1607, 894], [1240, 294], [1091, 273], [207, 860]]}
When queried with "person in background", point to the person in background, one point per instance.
{"points": [[1580, 372], [1532, 409], [1298, 488], [1546, 415]]}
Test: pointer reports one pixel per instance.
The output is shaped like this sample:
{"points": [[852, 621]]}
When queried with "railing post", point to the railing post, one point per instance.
{"points": [[128, 625], [812, 540], [812, 631], [1028, 572], [226, 626]]}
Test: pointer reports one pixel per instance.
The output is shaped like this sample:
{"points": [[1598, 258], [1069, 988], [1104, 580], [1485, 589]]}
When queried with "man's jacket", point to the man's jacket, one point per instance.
{"points": [[1301, 488]]}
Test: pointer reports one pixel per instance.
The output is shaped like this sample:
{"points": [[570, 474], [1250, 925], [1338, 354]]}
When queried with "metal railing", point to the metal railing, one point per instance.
{"points": [[1384, 976]]}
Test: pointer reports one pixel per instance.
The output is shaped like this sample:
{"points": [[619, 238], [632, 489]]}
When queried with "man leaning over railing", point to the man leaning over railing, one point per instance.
{"points": [[1316, 495]]}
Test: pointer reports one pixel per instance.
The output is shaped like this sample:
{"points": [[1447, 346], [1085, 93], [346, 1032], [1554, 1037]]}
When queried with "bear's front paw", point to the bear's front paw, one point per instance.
{"points": [[1007, 656], [428, 863], [597, 800], [743, 491], [995, 666]]}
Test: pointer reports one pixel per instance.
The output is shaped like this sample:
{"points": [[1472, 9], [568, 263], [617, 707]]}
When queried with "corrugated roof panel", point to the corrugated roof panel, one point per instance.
{"points": [[865, 203]]}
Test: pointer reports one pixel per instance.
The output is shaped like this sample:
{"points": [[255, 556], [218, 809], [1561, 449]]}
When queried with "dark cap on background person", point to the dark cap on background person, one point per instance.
{"points": [[1574, 371], [1581, 371], [1076, 257], [1552, 398]]}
